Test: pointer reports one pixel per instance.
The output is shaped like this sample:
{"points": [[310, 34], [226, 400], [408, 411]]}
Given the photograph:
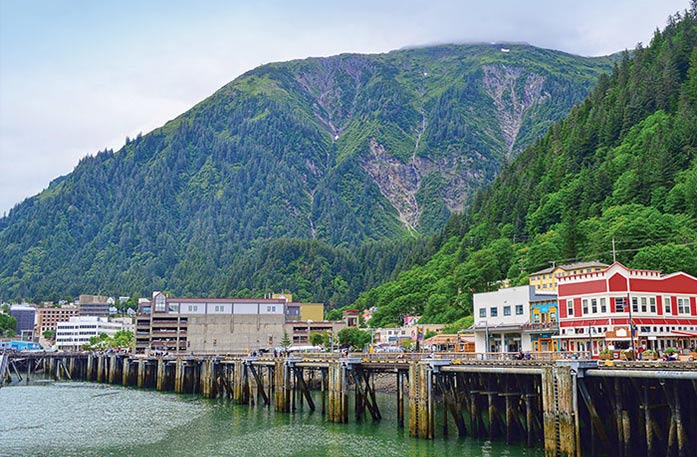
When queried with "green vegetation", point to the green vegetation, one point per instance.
{"points": [[354, 338], [263, 186], [123, 339], [8, 325], [622, 166]]}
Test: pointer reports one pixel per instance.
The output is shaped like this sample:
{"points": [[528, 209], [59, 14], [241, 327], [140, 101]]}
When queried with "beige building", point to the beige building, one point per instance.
{"points": [[48, 318], [546, 280]]}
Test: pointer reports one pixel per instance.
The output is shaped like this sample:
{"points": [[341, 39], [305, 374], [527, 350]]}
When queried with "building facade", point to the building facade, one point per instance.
{"points": [[94, 305], [209, 324], [72, 335], [503, 319], [618, 307], [48, 318], [546, 280], [25, 315]]}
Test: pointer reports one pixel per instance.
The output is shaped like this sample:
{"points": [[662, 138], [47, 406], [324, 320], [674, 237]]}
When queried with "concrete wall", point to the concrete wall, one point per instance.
{"points": [[234, 332]]}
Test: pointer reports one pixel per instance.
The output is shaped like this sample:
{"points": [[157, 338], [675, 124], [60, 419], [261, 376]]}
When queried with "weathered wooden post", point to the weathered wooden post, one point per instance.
{"points": [[179, 376], [281, 399], [420, 400], [558, 400], [338, 392]]}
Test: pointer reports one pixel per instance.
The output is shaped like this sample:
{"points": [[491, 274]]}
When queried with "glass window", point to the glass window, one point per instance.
{"points": [[519, 310], [644, 304], [635, 305], [482, 312], [585, 305], [594, 305], [683, 305], [603, 305], [493, 311], [620, 305], [506, 310], [570, 307], [160, 303], [652, 304], [666, 305]]}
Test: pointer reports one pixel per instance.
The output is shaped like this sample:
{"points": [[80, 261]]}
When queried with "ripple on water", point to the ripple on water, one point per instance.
{"points": [[66, 416]]}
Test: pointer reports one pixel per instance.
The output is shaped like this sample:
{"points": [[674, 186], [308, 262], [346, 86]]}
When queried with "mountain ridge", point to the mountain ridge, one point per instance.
{"points": [[343, 150]]}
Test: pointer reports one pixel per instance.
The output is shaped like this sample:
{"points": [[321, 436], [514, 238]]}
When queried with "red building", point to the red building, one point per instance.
{"points": [[600, 308]]}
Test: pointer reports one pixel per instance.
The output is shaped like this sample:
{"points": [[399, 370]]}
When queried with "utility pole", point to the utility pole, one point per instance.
{"points": [[614, 253]]}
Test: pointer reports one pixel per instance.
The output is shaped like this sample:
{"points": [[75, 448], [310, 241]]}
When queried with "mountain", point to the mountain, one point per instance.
{"points": [[620, 171], [320, 155]]}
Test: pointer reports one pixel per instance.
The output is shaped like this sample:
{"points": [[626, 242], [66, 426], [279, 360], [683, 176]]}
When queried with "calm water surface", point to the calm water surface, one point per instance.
{"points": [[86, 419]]}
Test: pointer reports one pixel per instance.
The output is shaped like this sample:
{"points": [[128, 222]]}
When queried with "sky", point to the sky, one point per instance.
{"points": [[79, 76]]}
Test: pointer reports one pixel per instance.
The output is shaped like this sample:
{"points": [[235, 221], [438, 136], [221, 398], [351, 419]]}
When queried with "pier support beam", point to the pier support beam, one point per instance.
{"points": [[338, 393], [558, 403], [420, 400]]}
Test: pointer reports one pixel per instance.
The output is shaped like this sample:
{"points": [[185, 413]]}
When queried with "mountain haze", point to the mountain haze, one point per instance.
{"points": [[317, 157]]}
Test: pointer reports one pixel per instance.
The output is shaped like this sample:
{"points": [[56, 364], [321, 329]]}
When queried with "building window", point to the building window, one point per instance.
{"points": [[603, 305], [570, 307], [594, 305], [506, 310], [683, 305], [652, 304], [519, 310], [620, 305], [493, 311], [160, 303], [585, 305], [482, 312], [635, 305], [644, 304], [666, 305]]}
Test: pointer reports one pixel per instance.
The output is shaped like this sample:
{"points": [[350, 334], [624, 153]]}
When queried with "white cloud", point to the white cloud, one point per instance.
{"points": [[78, 77]]}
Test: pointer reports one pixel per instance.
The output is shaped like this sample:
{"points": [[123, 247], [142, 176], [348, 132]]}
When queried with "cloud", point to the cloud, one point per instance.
{"points": [[79, 76]]}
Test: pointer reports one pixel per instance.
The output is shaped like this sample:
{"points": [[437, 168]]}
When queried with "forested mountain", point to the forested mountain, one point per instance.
{"points": [[290, 161], [622, 166]]}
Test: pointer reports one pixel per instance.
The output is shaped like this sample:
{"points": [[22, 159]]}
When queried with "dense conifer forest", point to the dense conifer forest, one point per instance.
{"points": [[322, 176], [622, 166]]}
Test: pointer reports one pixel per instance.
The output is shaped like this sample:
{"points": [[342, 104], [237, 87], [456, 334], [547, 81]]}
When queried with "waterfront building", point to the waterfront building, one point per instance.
{"points": [[602, 309], [503, 319], [94, 305], [546, 280], [393, 336], [72, 335], [299, 331], [25, 315], [453, 342], [48, 318], [209, 324]]}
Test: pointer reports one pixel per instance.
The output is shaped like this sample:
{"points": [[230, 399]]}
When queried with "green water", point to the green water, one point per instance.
{"points": [[86, 419]]}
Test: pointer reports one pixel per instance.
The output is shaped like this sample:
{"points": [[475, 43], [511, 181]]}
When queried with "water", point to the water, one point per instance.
{"points": [[87, 419]]}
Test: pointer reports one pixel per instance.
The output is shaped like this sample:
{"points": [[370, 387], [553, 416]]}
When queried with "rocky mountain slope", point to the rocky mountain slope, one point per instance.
{"points": [[343, 151]]}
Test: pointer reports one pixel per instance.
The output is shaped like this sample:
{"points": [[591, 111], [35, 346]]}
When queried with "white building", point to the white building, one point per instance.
{"points": [[75, 333], [501, 316]]}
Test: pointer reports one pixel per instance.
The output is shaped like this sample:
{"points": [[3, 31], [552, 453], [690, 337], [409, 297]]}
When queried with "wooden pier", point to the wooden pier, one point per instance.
{"points": [[570, 408]]}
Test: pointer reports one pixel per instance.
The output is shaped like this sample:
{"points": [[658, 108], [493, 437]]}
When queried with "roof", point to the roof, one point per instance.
{"points": [[571, 266]]}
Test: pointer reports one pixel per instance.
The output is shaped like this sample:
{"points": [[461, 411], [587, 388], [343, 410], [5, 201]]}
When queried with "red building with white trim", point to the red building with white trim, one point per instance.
{"points": [[599, 308]]}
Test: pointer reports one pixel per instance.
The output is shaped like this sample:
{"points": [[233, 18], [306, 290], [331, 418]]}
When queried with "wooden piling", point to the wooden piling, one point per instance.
{"points": [[179, 376], [558, 400]]}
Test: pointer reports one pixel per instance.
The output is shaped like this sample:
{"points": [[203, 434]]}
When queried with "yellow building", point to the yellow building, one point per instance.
{"points": [[546, 280], [312, 312]]}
